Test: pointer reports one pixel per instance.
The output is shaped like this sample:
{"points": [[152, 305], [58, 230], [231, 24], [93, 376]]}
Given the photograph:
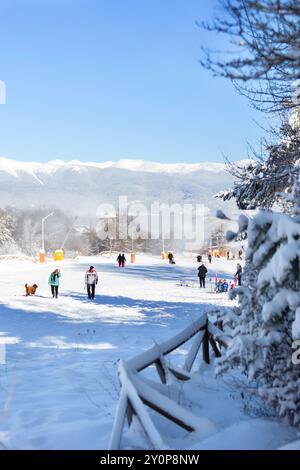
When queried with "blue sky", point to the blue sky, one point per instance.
{"points": [[101, 80]]}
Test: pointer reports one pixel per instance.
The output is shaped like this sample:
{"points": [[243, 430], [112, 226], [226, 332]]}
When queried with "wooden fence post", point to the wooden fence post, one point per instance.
{"points": [[214, 346], [161, 371], [205, 347], [129, 412]]}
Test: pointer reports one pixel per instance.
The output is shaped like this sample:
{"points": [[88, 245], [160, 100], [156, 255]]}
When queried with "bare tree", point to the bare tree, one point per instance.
{"points": [[264, 57]]}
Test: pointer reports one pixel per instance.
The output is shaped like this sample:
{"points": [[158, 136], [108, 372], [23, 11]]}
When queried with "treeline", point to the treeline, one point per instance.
{"points": [[21, 232]]}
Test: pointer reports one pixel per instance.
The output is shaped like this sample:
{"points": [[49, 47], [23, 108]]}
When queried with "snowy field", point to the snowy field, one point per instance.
{"points": [[59, 386]]}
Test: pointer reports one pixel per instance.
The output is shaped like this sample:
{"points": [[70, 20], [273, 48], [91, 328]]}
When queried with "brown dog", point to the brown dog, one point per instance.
{"points": [[30, 290]]}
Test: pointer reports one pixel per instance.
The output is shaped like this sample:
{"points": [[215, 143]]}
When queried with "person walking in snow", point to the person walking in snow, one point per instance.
{"points": [[171, 257], [202, 271], [209, 258], [54, 282], [238, 274], [91, 280], [199, 259], [119, 259]]}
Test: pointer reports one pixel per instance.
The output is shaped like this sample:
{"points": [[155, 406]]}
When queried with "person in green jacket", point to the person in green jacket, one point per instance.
{"points": [[54, 282]]}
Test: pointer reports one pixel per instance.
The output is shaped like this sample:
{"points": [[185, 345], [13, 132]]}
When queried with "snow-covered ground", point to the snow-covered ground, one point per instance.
{"points": [[59, 386]]}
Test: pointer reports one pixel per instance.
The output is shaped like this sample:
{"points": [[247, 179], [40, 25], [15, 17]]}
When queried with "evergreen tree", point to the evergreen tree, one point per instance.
{"points": [[266, 323], [261, 182], [94, 243], [6, 231]]}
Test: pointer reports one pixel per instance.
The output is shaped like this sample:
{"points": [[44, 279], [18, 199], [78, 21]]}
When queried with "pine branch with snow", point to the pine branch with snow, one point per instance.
{"points": [[267, 178]]}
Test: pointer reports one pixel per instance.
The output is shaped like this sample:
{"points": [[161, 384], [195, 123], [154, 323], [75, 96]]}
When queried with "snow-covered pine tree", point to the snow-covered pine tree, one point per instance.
{"points": [[267, 320], [94, 243], [6, 231], [259, 183]]}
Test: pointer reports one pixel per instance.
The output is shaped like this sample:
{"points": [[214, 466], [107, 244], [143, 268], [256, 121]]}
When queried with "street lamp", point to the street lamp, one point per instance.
{"points": [[42, 252]]}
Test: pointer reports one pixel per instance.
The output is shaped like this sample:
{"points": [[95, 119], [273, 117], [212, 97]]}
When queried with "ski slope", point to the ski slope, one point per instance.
{"points": [[59, 385]]}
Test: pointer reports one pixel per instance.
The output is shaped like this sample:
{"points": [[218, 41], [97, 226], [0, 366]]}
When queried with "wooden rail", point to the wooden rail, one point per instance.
{"points": [[136, 391]]}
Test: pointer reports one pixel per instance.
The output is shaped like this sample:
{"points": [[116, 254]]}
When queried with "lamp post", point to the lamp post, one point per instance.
{"points": [[42, 252]]}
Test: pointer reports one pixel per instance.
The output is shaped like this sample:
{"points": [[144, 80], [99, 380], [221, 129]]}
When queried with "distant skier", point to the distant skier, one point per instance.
{"points": [[199, 259], [238, 274], [228, 255], [91, 280], [240, 254], [202, 271], [54, 282], [209, 258]]}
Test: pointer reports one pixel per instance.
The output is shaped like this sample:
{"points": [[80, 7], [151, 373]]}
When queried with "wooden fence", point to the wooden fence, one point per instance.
{"points": [[138, 391]]}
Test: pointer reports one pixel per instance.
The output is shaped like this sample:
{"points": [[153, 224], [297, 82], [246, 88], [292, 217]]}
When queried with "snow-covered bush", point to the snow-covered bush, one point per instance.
{"points": [[267, 321]]}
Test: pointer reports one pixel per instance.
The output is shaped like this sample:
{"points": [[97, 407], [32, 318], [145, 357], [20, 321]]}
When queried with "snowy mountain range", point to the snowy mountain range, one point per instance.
{"points": [[79, 187]]}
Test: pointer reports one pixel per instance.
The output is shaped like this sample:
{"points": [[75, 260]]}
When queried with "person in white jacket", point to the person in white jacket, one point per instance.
{"points": [[91, 280]]}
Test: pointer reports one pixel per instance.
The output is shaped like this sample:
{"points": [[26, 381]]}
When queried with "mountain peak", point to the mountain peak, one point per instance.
{"points": [[10, 166], [79, 187]]}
